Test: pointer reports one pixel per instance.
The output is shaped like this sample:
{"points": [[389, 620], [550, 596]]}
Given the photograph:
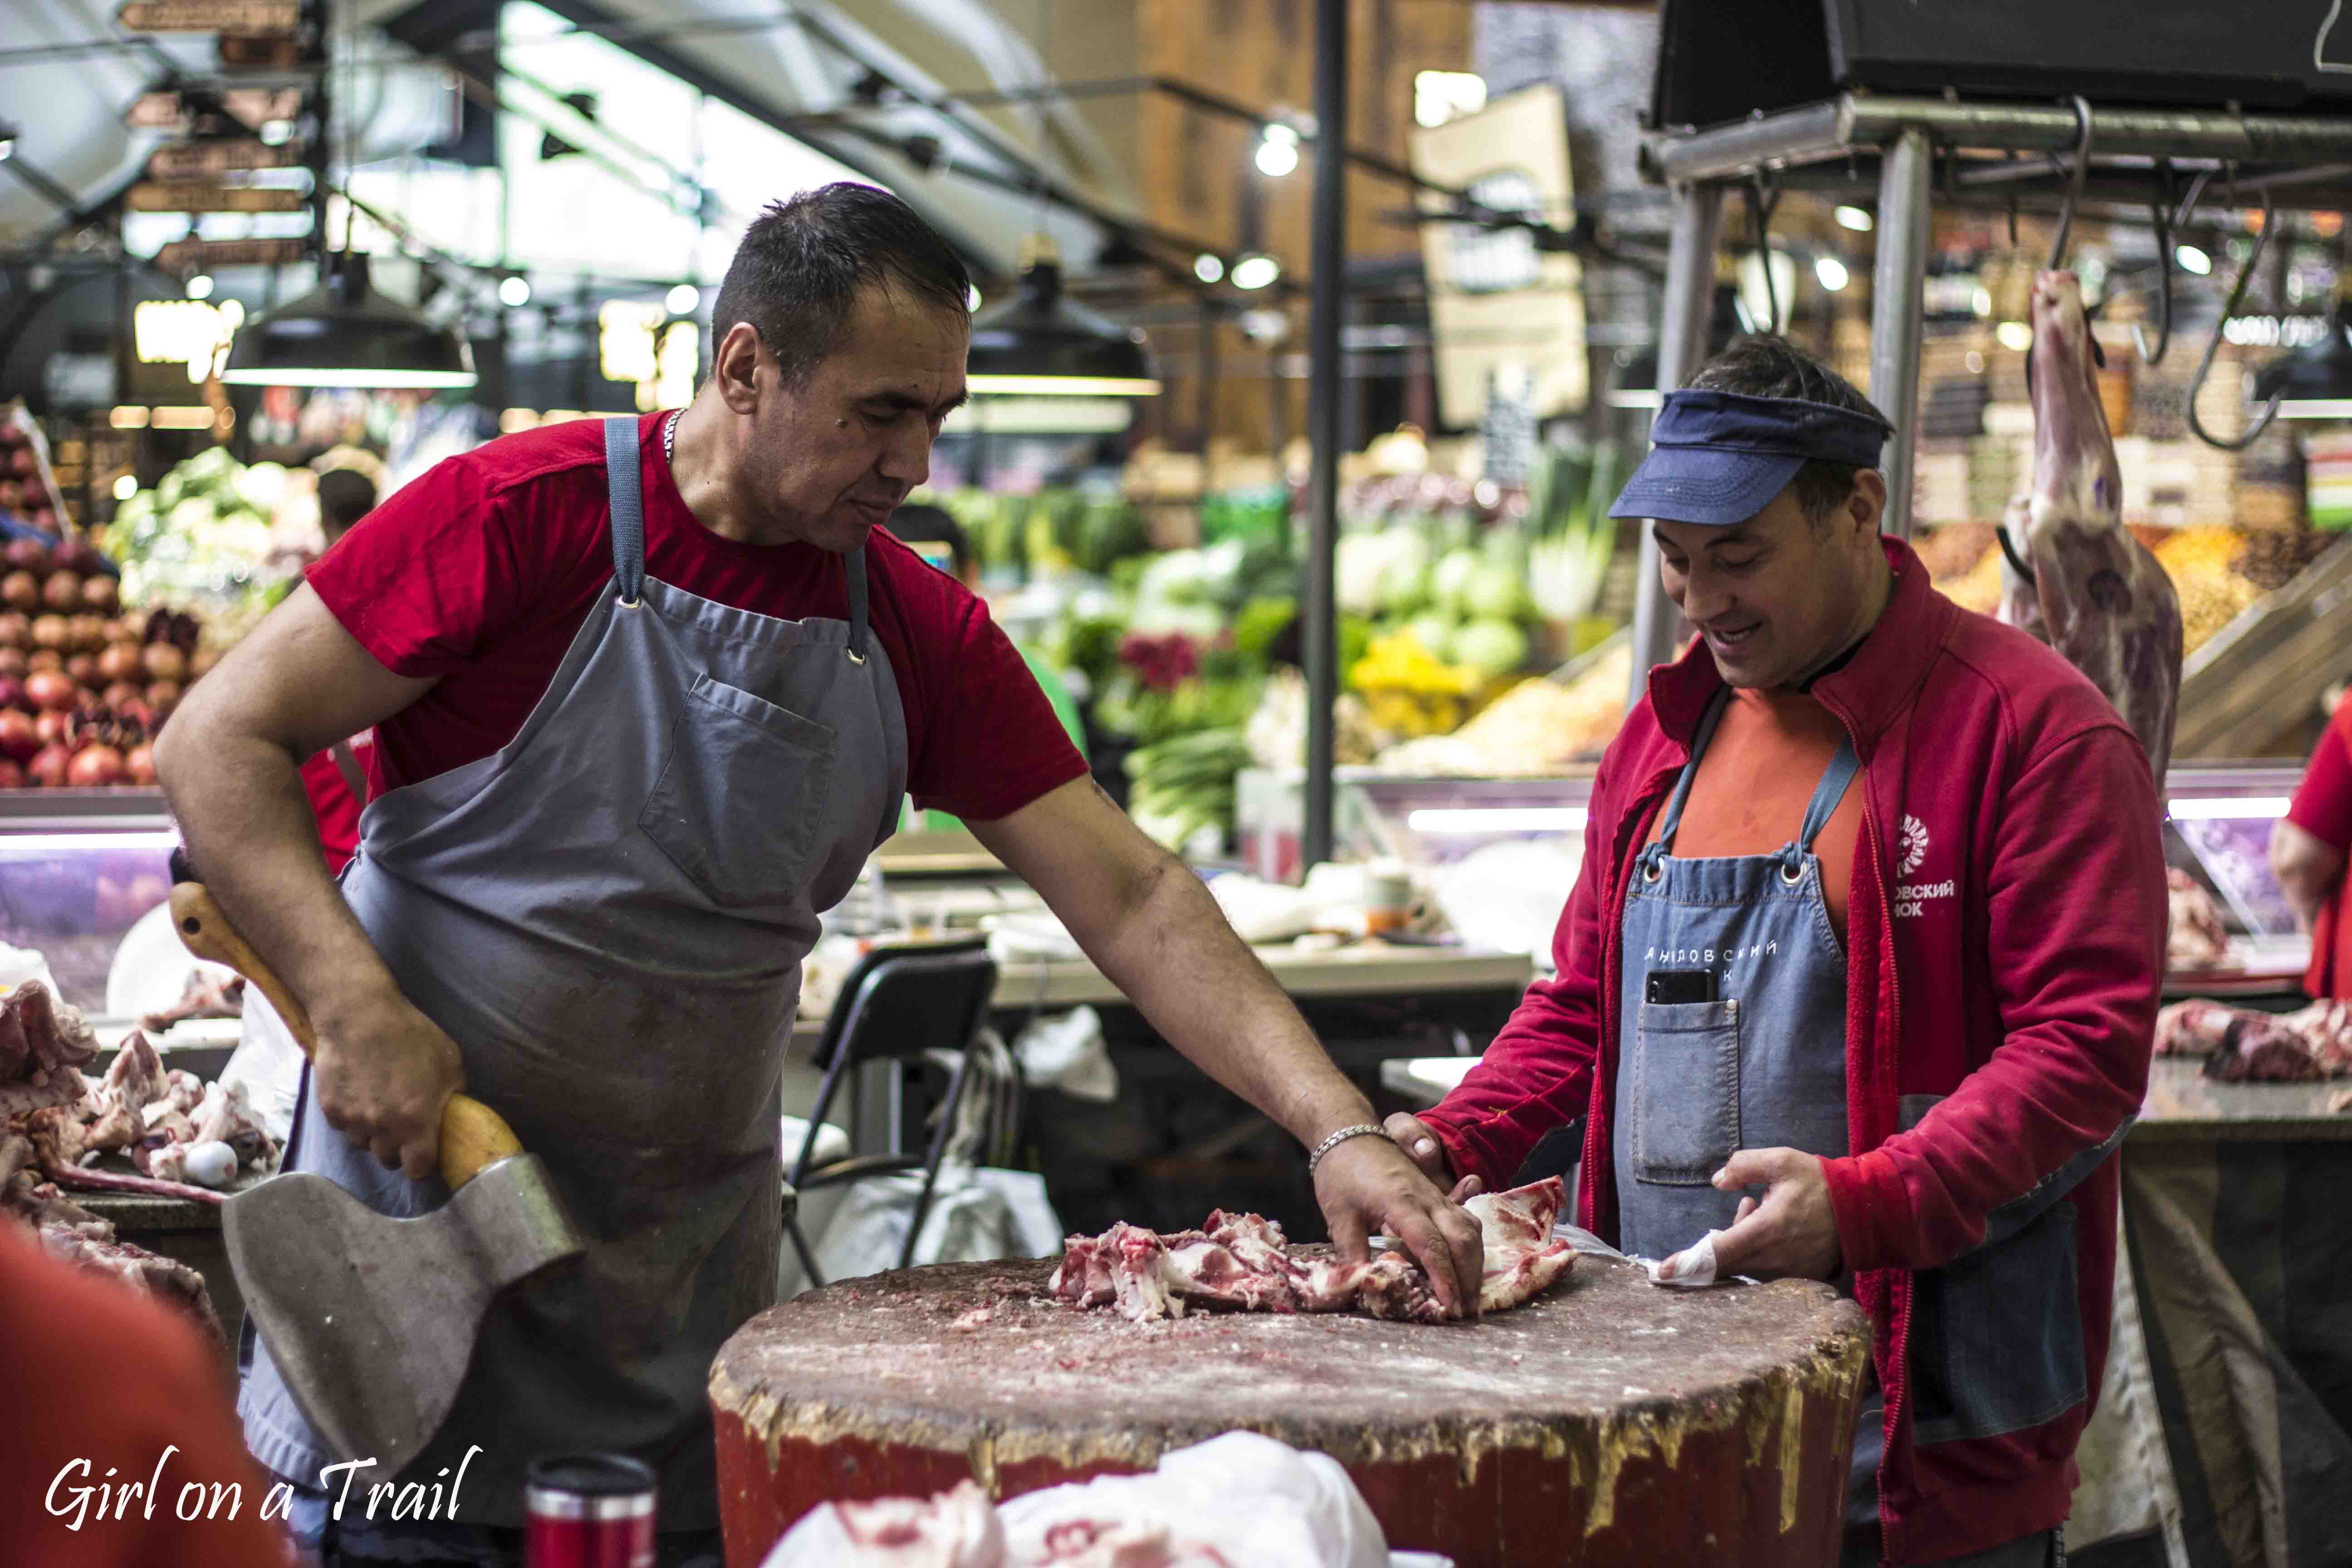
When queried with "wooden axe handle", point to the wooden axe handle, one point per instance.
{"points": [[472, 1134]]}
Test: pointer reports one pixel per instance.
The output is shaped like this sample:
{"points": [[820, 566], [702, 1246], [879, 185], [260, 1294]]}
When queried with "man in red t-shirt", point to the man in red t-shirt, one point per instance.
{"points": [[2307, 852], [646, 694]]}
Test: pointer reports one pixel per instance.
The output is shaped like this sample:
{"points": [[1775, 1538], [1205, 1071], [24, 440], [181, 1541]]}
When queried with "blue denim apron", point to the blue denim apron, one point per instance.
{"points": [[608, 916], [1761, 1067]]}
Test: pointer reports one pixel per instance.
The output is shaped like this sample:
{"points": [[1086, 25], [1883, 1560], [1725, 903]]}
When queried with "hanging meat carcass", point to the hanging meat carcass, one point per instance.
{"points": [[2091, 591]]}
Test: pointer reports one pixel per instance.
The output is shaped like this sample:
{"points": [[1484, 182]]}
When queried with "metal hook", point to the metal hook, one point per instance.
{"points": [[1761, 199], [2075, 185], [2261, 421], [2158, 215]]}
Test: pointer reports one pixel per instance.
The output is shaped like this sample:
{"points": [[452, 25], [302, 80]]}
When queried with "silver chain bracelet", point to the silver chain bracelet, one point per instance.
{"points": [[1360, 1129]]}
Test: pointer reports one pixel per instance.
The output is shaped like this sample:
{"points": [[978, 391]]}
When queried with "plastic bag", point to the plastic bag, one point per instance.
{"points": [[1065, 1051], [975, 1214]]}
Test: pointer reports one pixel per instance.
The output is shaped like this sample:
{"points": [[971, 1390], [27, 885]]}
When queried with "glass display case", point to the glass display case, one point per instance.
{"points": [[79, 870], [2217, 829]]}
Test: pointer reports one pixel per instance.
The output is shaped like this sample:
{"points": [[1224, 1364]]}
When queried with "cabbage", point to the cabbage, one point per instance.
{"points": [[1494, 592], [140, 507], [1434, 630], [1490, 646], [1404, 581], [192, 515], [1450, 583], [260, 486]]}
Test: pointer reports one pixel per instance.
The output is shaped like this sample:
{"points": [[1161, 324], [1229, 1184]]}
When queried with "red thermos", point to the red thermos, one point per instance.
{"points": [[589, 1510]]}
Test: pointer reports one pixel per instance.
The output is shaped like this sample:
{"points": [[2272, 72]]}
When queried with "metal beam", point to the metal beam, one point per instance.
{"points": [[1321, 642], [1688, 306], [1897, 286]]}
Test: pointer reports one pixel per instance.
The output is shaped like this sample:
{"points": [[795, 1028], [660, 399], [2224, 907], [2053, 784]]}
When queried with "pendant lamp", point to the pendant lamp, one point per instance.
{"points": [[1039, 343], [343, 334]]}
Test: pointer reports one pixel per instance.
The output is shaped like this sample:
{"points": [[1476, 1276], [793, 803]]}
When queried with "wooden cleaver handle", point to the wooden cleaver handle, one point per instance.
{"points": [[472, 1134]]}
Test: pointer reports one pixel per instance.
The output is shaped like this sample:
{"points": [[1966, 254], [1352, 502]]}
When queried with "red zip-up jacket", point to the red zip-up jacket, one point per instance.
{"points": [[2005, 941]]}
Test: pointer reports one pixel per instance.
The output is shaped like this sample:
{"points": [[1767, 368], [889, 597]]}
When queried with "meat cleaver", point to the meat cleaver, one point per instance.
{"points": [[372, 1319]]}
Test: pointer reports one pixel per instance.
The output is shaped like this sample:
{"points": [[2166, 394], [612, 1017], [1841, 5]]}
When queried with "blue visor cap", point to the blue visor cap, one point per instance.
{"points": [[1719, 457]]}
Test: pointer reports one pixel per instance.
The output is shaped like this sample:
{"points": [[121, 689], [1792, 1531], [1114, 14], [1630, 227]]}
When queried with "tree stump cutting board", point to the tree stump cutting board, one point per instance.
{"points": [[1609, 1422]]}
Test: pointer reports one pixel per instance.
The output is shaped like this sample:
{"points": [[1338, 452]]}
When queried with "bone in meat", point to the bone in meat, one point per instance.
{"points": [[2097, 596], [134, 1081], [1242, 1263], [227, 1115], [206, 996], [2196, 1028], [2243, 1045], [91, 1179]]}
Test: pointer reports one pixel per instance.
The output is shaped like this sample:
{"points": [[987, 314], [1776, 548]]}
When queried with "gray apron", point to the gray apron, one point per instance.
{"points": [[608, 916], [1763, 1066]]}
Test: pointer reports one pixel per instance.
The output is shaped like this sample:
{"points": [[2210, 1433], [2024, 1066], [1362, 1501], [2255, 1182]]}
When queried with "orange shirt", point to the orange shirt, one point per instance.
{"points": [[1754, 781], [101, 1382]]}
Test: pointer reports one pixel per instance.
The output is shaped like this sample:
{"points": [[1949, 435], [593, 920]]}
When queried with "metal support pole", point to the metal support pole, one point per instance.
{"points": [[1688, 306], [1896, 284], [1322, 640]]}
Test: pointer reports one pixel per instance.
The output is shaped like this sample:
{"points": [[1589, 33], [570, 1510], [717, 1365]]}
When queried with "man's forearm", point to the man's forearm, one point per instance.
{"points": [[240, 805], [1200, 986]]}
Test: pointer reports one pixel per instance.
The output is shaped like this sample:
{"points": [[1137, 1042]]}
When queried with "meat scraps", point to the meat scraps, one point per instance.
{"points": [[2097, 595], [1243, 1263], [2242, 1045], [207, 996], [2195, 938]]}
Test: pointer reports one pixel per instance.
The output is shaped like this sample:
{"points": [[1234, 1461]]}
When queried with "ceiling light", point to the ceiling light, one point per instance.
{"points": [[1277, 151], [1256, 271], [684, 300], [126, 486], [1856, 218], [200, 287], [2245, 808], [1831, 272], [342, 333], [2015, 336], [1039, 342], [514, 292], [1497, 819], [2192, 259], [1208, 269]]}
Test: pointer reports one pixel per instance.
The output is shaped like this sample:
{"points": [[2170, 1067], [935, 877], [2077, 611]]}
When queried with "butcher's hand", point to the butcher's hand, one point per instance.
{"points": [[1421, 1146], [1366, 1186], [383, 1072], [1791, 1234]]}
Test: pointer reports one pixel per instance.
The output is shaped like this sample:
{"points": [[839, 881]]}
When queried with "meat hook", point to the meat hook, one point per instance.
{"points": [[1762, 198], [2158, 214], [2261, 421], [2074, 184]]}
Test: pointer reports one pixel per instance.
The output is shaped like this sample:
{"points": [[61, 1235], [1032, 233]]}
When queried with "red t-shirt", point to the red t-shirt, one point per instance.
{"points": [[480, 573], [334, 806], [104, 1384], [2322, 808]]}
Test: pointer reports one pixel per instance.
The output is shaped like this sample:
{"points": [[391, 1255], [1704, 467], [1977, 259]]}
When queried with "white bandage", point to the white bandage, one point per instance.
{"points": [[1694, 1266]]}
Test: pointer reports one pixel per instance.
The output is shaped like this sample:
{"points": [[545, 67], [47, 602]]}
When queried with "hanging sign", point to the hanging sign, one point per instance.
{"points": [[206, 197], [192, 112], [207, 160], [209, 15], [187, 255]]}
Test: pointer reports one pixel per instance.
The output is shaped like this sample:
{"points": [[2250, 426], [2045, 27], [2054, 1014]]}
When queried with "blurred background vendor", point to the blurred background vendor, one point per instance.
{"points": [[2307, 853], [336, 779]]}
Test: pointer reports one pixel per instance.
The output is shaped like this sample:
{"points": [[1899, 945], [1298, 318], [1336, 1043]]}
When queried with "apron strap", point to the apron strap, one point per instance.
{"points": [[857, 566], [1672, 824], [349, 766], [1828, 793], [622, 486]]}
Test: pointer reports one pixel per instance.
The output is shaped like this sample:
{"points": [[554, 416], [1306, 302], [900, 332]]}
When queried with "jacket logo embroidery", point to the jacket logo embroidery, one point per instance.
{"points": [[1915, 845]]}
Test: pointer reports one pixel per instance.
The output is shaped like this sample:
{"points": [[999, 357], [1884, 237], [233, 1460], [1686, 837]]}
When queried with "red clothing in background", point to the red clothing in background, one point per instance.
{"points": [[479, 573], [2323, 808], [335, 805], [96, 1373]]}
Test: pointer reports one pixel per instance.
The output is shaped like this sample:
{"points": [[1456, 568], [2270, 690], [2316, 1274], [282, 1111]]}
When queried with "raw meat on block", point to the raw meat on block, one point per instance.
{"points": [[2096, 593], [2244, 1045], [1243, 1263], [2195, 938]]}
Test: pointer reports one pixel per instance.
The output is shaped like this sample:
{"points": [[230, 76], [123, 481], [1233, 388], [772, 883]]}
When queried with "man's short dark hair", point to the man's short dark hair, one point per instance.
{"points": [[345, 496], [802, 262], [1768, 365]]}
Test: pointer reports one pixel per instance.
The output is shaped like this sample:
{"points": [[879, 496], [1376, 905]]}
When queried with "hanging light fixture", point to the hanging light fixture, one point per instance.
{"points": [[1039, 343], [343, 334]]}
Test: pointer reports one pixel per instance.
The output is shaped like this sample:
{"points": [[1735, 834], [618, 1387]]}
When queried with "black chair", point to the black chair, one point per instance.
{"points": [[901, 1006]]}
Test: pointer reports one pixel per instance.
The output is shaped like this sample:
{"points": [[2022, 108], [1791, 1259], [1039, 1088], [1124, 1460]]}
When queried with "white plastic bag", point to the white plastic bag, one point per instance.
{"points": [[1065, 1051], [975, 1214]]}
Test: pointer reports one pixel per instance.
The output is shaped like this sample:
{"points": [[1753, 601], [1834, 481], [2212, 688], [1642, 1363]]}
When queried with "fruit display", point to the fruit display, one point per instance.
{"points": [[1408, 690], [1015, 537], [28, 494], [84, 685], [1543, 727], [204, 535]]}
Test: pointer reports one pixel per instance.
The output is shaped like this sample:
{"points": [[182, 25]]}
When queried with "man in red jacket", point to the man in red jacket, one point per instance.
{"points": [[1859, 978]]}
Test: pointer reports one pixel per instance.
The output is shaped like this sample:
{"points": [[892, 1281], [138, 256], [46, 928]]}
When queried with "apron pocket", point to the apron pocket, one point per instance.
{"points": [[1997, 1336], [1685, 1090], [737, 803]]}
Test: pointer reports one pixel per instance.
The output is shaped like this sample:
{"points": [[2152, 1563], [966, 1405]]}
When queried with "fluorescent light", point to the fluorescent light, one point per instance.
{"points": [[1061, 386], [183, 416], [1463, 819], [1256, 271], [2015, 336], [514, 292], [2249, 808], [2316, 408], [1207, 268], [37, 843], [686, 299], [2192, 259], [1856, 218], [1633, 397], [262, 376], [200, 287], [126, 486], [1831, 272], [127, 416]]}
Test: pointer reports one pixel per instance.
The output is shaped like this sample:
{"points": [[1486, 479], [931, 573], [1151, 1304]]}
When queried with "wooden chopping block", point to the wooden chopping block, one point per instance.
{"points": [[1609, 1422]]}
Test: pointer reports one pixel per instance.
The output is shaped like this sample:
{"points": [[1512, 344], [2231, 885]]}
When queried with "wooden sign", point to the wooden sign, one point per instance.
{"points": [[209, 15], [191, 256], [205, 160], [205, 196], [204, 113], [266, 51]]}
